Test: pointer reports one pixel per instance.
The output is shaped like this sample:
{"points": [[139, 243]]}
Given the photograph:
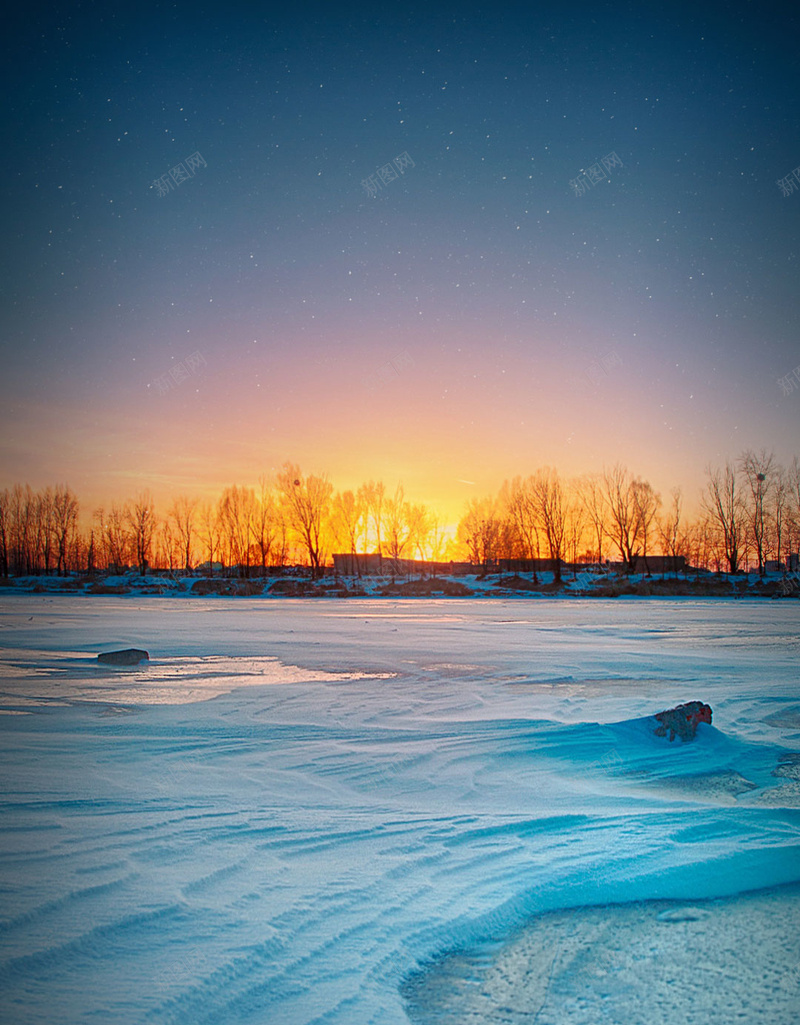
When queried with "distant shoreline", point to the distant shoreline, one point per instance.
{"points": [[493, 585]]}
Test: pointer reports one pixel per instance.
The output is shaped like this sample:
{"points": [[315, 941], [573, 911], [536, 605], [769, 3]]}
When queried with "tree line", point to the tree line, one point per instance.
{"points": [[750, 513], [289, 519]]}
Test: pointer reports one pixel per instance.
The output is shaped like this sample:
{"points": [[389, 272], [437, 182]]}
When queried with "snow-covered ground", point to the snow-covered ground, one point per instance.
{"points": [[295, 805]]}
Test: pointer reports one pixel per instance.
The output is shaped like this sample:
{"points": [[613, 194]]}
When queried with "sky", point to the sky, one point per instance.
{"points": [[439, 244]]}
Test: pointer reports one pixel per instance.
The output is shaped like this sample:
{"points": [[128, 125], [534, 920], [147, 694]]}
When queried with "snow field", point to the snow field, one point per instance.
{"points": [[372, 785]]}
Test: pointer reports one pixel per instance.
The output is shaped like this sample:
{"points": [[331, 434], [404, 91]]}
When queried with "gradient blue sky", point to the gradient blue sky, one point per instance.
{"points": [[495, 289]]}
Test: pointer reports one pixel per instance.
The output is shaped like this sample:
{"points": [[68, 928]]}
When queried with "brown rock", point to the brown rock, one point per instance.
{"points": [[682, 720]]}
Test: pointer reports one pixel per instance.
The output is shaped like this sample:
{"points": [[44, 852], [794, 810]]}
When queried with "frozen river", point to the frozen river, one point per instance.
{"points": [[296, 805]]}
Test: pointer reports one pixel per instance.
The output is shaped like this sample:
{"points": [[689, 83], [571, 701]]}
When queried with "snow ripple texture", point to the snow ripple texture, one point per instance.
{"points": [[378, 788]]}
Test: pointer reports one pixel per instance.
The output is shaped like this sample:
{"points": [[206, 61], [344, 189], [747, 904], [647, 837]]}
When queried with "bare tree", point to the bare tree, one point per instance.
{"points": [[307, 504], [723, 502], [100, 547], [592, 497], [168, 546], [420, 527], [114, 540], [759, 474], [51, 530], [281, 540], [700, 539], [576, 524], [209, 532], [780, 507], [237, 515], [4, 524], [183, 516], [551, 510], [348, 520], [520, 509], [140, 515], [43, 530], [372, 496], [673, 540], [793, 503], [479, 531], [646, 502], [91, 555], [265, 526], [509, 543], [64, 507], [20, 528], [623, 520], [437, 540], [398, 533]]}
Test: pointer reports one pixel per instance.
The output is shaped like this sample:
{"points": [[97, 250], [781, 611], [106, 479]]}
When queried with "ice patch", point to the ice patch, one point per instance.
{"points": [[32, 677]]}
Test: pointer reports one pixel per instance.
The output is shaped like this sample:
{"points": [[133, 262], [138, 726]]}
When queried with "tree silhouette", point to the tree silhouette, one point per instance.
{"points": [[306, 501], [141, 518], [183, 514], [724, 504]]}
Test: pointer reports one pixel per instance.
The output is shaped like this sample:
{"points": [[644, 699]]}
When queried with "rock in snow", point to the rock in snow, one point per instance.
{"points": [[126, 657], [683, 720]]}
